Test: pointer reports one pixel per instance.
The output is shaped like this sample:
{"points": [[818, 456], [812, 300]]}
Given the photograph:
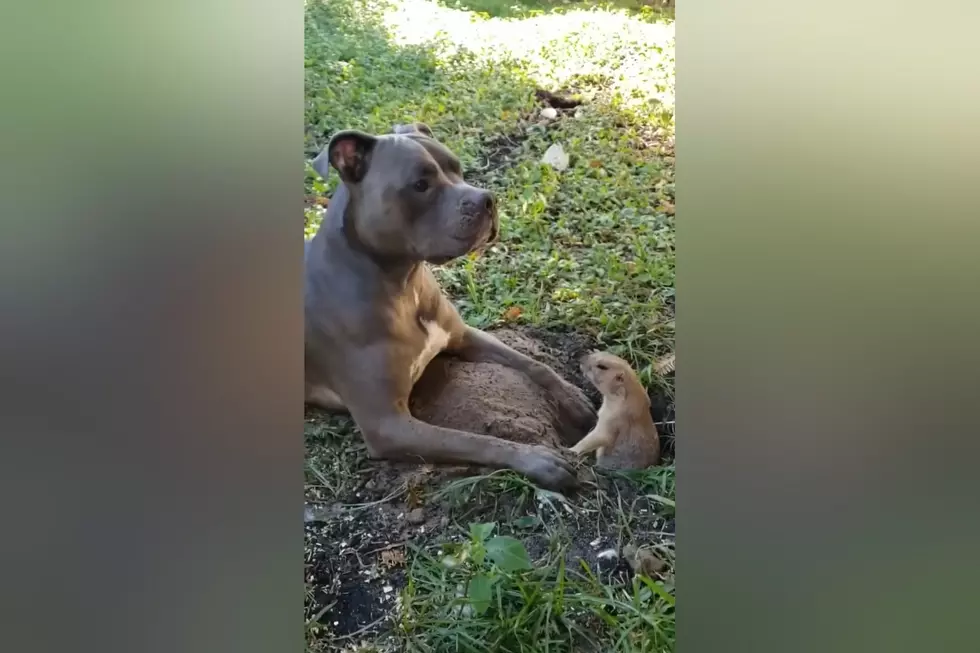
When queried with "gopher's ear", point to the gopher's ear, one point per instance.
{"points": [[620, 381], [349, 152]]}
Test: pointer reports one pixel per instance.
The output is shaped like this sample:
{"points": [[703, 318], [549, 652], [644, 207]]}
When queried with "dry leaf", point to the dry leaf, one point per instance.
{"points": [[414, 498], [667, 207], [556, 157], [665, 365], [393, 558], [315, 199], [595, 163], [643, 560], [512, 313]]}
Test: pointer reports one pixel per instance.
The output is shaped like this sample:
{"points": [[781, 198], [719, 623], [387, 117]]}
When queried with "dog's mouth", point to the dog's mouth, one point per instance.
{"points": [[486, 236], [469, 244]]}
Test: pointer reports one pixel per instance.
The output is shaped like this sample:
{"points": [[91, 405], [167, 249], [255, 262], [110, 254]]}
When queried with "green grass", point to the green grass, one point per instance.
{"points": [[485, 594], [590, 248], [648, 9]]}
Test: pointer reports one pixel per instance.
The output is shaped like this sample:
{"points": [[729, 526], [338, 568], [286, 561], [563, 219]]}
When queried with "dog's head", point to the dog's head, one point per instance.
{"points": [[408, 199]]}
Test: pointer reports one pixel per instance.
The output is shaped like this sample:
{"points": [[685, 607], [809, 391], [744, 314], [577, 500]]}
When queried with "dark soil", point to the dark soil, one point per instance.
{"points": [[556, 100]]}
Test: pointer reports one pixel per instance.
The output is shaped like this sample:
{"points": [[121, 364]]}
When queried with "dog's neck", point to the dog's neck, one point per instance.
{"points": [[339, 239]]}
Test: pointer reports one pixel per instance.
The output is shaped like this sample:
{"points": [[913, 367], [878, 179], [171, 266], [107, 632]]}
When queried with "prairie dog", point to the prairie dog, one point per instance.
{"points": [[625, 436]]}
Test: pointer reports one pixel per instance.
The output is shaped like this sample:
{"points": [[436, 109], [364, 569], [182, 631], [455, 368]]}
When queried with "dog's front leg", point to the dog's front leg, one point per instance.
{"points": [[479, 346], [399, 436]]}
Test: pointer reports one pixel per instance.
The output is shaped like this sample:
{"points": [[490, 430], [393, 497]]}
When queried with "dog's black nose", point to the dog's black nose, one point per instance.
{"points": [[479, 202]]}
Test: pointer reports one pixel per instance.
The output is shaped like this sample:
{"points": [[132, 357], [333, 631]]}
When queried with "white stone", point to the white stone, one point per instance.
{"points": [[549, 113], [556, 157]]}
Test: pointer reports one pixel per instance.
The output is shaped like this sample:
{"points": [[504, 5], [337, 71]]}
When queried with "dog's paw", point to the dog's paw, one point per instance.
{"points": [[547, 468], [575, 406]]}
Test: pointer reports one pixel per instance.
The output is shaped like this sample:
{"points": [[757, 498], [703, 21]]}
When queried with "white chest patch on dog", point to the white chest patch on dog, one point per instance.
{"points": [[436, 340]]}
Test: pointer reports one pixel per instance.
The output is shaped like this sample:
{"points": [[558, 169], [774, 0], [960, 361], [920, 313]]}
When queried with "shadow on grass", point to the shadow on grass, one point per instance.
{"points": [[357, 79]]}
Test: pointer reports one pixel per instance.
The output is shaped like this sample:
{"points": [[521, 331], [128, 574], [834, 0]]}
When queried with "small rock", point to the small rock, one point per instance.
{"points": [[416, 516], [370, 485], [556, 157], [548, 113]]}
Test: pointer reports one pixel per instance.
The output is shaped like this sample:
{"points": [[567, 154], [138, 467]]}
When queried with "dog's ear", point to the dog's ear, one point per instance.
{"points": [[349, 152], [423, 128]]}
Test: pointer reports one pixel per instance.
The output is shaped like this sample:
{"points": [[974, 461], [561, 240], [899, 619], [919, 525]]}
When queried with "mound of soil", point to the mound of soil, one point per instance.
{"points": [[491, 399], [495, 400]]}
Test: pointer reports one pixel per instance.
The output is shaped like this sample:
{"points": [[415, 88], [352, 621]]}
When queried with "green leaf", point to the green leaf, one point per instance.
{"points": [[508, 553], [480, 532], [479, 593], [528, 521]]}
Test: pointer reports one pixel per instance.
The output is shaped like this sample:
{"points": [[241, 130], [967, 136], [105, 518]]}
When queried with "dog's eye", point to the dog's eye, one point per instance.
{"points": [[421, 185], [602, 366]]}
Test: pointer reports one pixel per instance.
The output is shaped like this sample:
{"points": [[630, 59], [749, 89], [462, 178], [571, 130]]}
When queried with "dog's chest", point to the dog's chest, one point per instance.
{"points": [[435, 340]]}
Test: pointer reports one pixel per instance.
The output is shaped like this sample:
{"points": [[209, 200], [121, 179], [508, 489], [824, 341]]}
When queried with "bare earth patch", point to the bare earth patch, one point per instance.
{"points": [[491, 399]]}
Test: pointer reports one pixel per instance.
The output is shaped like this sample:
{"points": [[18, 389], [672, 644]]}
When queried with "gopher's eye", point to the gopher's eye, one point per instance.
{"points": [[602, 366], [421, 185]]}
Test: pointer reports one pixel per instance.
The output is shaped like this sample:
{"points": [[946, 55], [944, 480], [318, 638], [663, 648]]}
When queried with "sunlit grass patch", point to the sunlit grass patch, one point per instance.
{"points": [[599, 50]]}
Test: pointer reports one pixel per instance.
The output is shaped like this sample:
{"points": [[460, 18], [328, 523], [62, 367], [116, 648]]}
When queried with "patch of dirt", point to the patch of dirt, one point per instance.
{"points": [[556, 100], [499, 150], [491, 399], [355, 563]]}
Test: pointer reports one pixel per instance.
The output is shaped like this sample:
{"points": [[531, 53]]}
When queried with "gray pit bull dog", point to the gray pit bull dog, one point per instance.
{"points": [[375, 316]]}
